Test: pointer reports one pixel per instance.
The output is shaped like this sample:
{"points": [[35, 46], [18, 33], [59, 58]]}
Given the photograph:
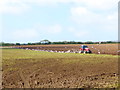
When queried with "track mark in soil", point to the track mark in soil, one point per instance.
{"points": [[33, 73], [25, 81]]}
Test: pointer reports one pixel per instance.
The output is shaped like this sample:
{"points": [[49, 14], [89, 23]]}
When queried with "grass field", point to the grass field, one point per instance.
{"points": [[37, 69]]}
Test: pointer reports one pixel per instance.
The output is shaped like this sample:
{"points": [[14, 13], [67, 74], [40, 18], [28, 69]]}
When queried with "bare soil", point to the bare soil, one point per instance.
{"points": [[95, 48], [68, 72]]}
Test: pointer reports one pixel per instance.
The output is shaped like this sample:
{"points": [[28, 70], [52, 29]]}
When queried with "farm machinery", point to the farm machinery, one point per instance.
{"points": [[84, 49]]}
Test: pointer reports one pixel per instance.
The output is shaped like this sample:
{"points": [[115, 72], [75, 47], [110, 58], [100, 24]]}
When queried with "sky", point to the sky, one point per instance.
{"points": [[58, 20]]}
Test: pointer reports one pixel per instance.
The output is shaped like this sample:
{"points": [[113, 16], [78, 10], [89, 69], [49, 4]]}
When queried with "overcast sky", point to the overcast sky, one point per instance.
{"points": [[58, 20]]}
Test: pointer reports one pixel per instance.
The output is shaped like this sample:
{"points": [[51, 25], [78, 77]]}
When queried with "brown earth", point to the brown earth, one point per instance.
{"points": [[44, 75], [31, 70], [95, 48], [68, 72]]}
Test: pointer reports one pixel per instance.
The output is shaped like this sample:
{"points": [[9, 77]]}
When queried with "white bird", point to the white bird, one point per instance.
{"points": [[98, 52]]}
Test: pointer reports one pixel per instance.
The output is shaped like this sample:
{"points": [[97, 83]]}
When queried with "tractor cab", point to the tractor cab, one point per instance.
{"points": [[84, 47]]}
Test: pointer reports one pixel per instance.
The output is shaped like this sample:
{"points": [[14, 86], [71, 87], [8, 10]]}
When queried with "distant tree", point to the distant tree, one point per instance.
{"points": [[23, 44], [17, 43], [109, 42], [45, 41], [89, 42], [72, 42], [38, 43], [29, 43], [6, 44], [79, 42], [65, 42]]}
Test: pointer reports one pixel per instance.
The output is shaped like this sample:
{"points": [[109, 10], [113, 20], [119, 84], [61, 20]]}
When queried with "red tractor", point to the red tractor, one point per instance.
{"points": [[84, 49]]}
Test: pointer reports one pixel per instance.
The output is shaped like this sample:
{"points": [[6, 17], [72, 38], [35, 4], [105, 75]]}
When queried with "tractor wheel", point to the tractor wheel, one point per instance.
{"points": [[84, 52], [80, 51], [90, 51]]}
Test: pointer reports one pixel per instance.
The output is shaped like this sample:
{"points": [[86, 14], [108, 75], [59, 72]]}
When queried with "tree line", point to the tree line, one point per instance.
{"points": [[47, 42]]}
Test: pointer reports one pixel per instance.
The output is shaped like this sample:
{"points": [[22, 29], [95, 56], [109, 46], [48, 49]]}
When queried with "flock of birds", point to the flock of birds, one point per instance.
{"points": [[68, 51]]}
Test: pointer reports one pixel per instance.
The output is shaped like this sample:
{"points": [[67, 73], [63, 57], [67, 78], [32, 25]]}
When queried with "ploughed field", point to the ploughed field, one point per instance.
{"points": [[95, 48], [39, 69]]}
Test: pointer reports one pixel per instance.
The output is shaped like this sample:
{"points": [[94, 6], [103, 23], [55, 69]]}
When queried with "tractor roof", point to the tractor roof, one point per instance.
{"points": [[84, 46]]}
